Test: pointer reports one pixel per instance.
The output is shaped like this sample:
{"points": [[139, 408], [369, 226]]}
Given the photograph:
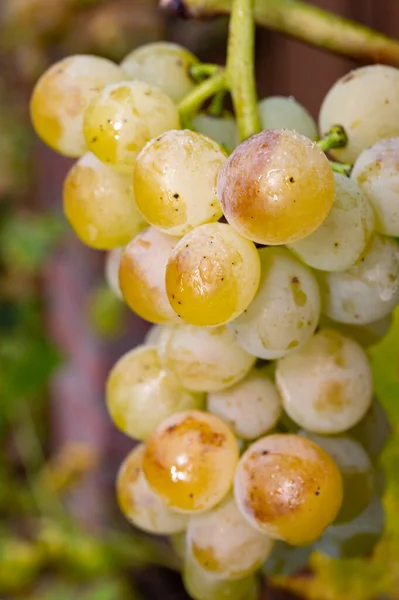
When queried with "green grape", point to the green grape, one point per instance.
{"points": [[281, 112], [368, 291], [276, 187], [286, 559], [61, 96], [190, 460], [289, 488], [112, 262], [343, 236], [212, 275], [140, 394], [376, 172], [175, 181], [123, 117], [223, 543], [99, 204], [222, 129], [203, 359], [286, 308], [374, 430], [366, 335], [365, 103], [251, 407], [139, 504], [327, 385], [164, 65]]}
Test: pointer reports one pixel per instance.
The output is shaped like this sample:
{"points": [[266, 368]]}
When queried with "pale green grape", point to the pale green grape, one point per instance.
{"points": [[365, 103], [152, 336], [374, 430], [141, 394], [112, 262], [251, 407], [286, 308], [326, 386], [366, 292], [286, 559], [203, 359], [343, 236], [284, 112], [222, 129], [366, 335], [175, 181], [164, 65]]}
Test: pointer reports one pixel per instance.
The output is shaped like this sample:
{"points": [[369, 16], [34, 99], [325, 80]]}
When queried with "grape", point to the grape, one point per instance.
{"points": [[327, 385], [212, 275], [251, 407], [356, 470], [288, 487], [203, 359], [99, 204], [164, 65], [276, 187], [280, 112], [141, 394], [138, 502], [202, 585], [190, 460], [222, 129], [175, 181], [376, 172], [112, 262], [365, 103], [286, 559], [365, 335], [142, 276], [285, 310], [341, 239], [123, 117], [178, 543], [368, 291], [374, 430], [152, 336], [61, 96], [225, 544]]}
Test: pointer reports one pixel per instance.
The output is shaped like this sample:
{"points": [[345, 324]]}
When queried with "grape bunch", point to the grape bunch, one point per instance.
{"points": [[267, 273]]}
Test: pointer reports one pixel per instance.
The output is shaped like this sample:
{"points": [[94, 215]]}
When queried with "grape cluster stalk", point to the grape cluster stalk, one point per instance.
{"points": [[266, 269]]}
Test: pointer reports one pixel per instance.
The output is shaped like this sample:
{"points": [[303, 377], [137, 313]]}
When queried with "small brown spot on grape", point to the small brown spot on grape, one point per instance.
{"points": [[175, 196], [265, 452], [317, 493], [292, 180], [336, 244], [295, 280]]}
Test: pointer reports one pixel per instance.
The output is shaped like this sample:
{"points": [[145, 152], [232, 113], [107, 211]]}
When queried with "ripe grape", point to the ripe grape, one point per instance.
{"points": [[212, 275], [222, 129], [99, 204], [281, 112], [365, 103], [342, 237], [225, 544], [285, 310], [152, 336], [374, 430], [112, 262], [376, 172], [276, 187], [164, 65], [368, 291], [251, 407], [286, 559], [175, 181], [203, 359], [190, 460], [142, 276], [141, 394], [123, 117], [288, 487], [326, 386], [139, 504], [61, 96], [365, 335]]}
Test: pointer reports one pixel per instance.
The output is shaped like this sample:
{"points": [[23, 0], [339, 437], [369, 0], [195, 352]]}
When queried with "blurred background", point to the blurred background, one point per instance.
{"points": [[61, 534]]}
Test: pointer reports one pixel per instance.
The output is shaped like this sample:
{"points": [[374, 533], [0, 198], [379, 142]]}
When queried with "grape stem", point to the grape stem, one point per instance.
{"points": [[201, 71], [202, 92], [342, 168], [307, 23], [334, 138]]}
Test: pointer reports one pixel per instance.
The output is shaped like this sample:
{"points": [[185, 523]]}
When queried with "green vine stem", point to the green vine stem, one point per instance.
{"points": [[342, 168], [202, 92], [307, 23], [334, 138]]}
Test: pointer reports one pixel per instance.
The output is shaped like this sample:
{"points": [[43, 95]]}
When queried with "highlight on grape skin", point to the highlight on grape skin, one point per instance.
{"points": [[175, 181], [190, 460], [276, 187]]}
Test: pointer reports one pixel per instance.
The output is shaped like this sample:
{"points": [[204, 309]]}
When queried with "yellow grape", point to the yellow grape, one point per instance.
{"points": [[152, 336], [139, 504], [112, 262], [190, 460], [175, 181], [276, 187], [289, 488], [61, 96], [140, 394], [142, 276], [99, 204], [212, 275], [123, 117]]}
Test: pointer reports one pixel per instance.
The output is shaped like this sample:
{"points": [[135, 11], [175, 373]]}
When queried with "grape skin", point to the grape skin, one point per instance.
{"points": [[140, 394], [281, 112], [365, 335], [286, 559], [373, 431], [112, 262], [153, 335], [222, 129]]}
